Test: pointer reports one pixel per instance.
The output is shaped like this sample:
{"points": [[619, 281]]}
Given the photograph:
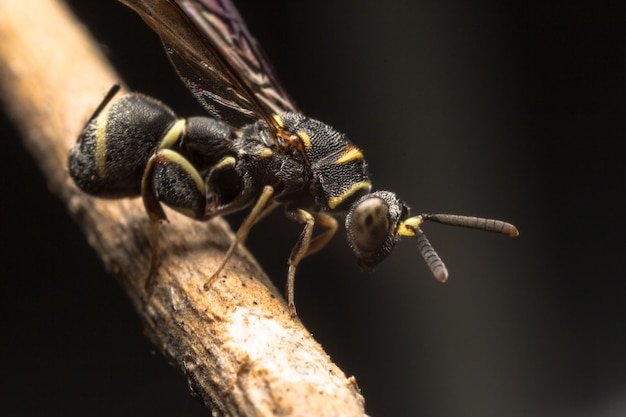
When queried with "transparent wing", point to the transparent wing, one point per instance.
{"points": [[217, 58]]}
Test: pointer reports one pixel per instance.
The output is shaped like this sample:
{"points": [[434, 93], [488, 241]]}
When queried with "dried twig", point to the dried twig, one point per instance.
{"points": [[238, 345]]}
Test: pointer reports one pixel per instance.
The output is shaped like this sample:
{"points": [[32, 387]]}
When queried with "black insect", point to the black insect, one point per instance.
{"points": [[257, 150]]}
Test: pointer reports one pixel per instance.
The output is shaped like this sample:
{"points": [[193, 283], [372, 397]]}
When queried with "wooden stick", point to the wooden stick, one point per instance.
{"points": [[241, 351]]}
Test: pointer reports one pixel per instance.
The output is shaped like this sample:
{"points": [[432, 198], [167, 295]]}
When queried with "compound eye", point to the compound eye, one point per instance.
{"points": [[369, 227]]}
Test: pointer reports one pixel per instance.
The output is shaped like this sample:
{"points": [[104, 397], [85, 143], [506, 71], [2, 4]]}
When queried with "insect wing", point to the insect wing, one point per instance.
{"points": [[217, 59], [222, 24]]}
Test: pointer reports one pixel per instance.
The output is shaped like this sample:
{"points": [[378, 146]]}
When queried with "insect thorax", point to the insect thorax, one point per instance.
{"points": [[339, 171], [328, 175]]}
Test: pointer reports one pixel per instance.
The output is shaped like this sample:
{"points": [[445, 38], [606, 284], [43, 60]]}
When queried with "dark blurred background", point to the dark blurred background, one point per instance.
{"points": [[509, 111]]}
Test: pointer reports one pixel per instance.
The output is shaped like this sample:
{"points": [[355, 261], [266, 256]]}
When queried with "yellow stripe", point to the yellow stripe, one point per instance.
{"points": [[100, 155], [349, 154], [279, 121], [407, 227], [173, 134], [335, 201], [306, 140], [226, 161], [266, 152], [181, 161]]}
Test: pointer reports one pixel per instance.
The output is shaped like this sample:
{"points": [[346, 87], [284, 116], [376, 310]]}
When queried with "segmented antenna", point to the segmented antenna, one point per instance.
{"points": [[478, 223], [433, 260]]}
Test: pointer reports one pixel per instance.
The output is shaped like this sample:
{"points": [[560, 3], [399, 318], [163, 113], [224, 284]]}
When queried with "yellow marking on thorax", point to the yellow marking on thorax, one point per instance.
{"points": [[100, 156], [306, 140], [266, 152], [278, 120], [350, 153], [173, 134], [335, 201], [299, 140]]}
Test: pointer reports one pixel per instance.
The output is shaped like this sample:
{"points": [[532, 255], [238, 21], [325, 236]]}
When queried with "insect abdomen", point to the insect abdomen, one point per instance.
{"points": [[111, 154]]}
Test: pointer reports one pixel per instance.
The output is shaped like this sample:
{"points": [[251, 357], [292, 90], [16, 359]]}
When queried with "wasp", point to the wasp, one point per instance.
{"points": [[256, 150]]}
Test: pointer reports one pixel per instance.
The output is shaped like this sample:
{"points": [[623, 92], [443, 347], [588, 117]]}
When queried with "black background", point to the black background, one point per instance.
{"points": [[515, 112]]}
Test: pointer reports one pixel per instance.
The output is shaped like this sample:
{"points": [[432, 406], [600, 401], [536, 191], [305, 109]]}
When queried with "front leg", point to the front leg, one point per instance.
{"points": [[306, 245], [260, 209]]}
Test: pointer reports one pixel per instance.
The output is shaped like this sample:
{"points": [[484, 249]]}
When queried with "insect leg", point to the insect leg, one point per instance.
{"points": [[170, 179], [267, 210], [260, 209], [319, 241], [105, 101], [154, 258], [156, 214], [306, 245], [298, 252]]}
